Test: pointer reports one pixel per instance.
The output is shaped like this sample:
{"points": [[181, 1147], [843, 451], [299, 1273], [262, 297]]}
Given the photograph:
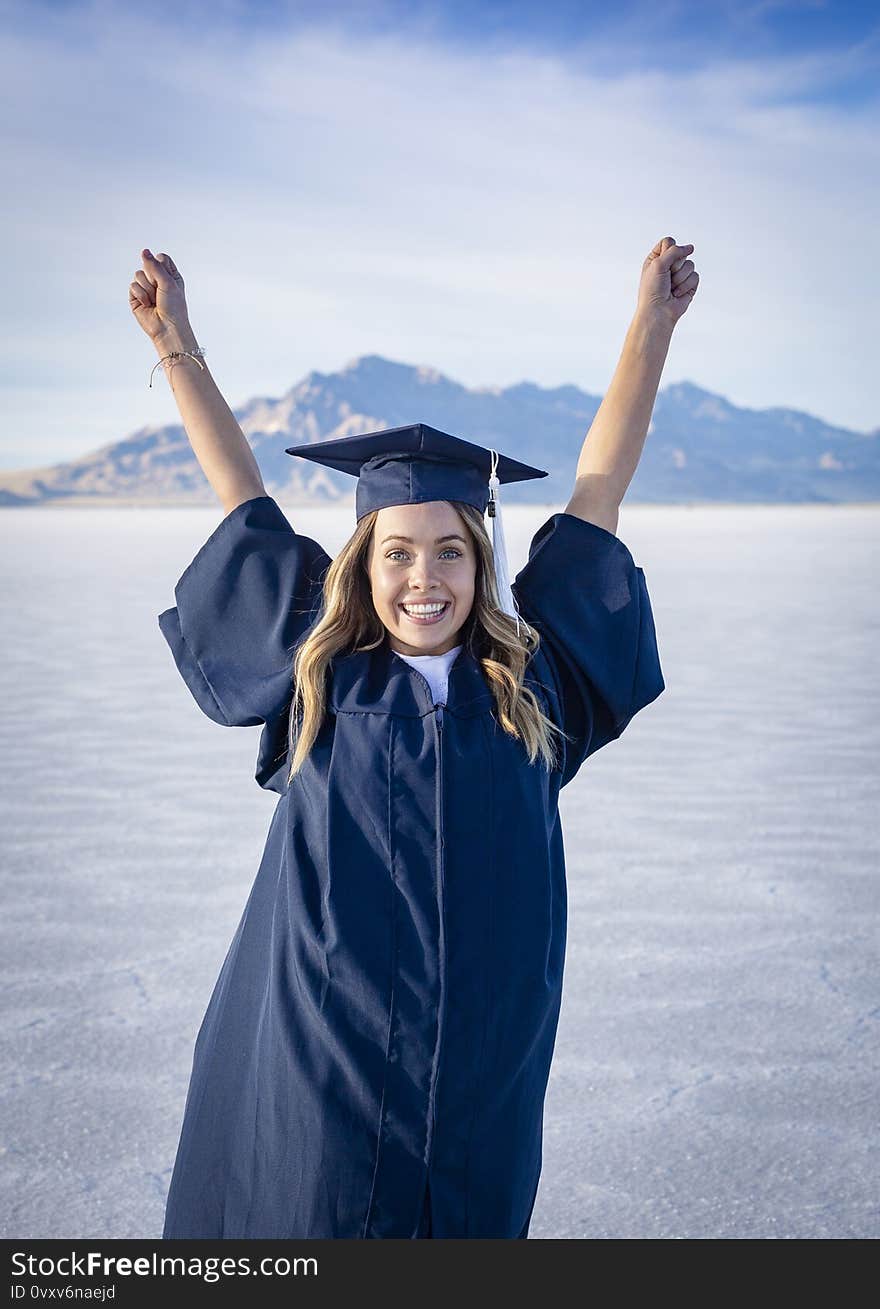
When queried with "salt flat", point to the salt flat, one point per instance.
{"points": [[716, 1066]]}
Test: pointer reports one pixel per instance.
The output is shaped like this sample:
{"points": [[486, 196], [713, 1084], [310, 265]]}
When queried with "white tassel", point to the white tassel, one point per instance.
{"points": [[499, 547]]}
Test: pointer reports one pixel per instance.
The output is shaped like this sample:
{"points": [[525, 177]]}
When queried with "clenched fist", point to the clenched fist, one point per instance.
{"points": [[669, 281], [157, 299]]}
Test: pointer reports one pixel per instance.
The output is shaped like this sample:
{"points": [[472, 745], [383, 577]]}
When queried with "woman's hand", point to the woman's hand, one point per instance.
{"points": [[669, 282], [157, 300]]}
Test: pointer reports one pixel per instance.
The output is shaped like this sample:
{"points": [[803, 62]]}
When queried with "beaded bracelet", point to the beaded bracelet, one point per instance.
{"points": [[181, 354]]}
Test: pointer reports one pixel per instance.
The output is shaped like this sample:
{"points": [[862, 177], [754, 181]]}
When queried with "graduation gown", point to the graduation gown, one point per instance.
{"points": [[374, 1056]]}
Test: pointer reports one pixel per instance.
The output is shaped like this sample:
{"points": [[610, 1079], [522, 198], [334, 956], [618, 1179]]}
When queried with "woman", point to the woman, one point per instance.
{"points": [[375, 1054]]}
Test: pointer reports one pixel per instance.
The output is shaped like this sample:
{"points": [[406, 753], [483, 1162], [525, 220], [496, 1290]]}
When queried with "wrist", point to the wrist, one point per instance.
{"points": [[651, 323], [175, 338], [650, 334]]}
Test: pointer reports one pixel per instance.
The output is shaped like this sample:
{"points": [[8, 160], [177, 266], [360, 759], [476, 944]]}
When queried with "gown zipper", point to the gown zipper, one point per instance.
{"points": [[438, 728], [441, 843]]}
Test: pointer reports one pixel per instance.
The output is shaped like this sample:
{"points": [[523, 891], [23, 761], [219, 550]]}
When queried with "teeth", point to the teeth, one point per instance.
{"points": [[420, 610]]}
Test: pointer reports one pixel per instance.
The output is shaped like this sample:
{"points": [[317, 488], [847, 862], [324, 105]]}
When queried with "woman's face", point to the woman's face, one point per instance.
{"points": [[421, 554]]}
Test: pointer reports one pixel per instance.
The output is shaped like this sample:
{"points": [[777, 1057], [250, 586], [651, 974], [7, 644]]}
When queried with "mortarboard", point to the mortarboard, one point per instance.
{"points": [[414, 464]]}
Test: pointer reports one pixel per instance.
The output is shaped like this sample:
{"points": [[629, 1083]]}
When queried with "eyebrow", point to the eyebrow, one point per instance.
{"points": [[452, 536]]}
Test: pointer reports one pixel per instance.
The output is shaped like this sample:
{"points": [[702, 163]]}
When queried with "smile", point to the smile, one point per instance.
{"points": [[425, 614]]}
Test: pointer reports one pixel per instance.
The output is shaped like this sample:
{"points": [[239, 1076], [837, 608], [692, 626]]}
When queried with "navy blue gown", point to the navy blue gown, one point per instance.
{"points": [[374, 1057]]}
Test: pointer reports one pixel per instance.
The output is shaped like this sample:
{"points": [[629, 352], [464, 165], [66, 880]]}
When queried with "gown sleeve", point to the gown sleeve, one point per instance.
{"points": [[242, 604], [589, 602]]}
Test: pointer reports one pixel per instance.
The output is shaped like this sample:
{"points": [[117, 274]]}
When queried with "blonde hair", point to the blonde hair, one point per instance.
{"points": [[349, 622]]}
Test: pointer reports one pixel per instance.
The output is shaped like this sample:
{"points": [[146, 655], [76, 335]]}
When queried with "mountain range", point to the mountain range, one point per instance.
{"points": [[699, 448]]}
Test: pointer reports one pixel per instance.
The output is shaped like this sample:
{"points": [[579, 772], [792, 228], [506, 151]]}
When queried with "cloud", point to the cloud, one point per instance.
{"points": [[329, 194]]}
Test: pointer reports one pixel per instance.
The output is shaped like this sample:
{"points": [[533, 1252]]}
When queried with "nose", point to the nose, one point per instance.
{"points": [[421, 577]]}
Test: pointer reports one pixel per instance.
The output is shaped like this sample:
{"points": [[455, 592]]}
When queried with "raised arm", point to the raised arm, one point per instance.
{"points": [[613, 445], [156, 297]]}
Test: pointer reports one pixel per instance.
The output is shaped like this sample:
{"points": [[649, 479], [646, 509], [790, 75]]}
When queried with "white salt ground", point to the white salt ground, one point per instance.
{"points": [[717, 1058]]}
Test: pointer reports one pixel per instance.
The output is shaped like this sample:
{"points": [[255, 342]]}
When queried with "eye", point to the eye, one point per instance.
{"points": [[450, 549]]}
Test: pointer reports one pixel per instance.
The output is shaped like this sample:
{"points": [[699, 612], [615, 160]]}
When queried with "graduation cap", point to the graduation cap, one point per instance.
{"points": [[414, 464]]}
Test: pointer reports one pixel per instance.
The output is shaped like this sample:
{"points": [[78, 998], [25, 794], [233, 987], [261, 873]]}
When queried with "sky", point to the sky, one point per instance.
{"points": [[471, 187]]}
